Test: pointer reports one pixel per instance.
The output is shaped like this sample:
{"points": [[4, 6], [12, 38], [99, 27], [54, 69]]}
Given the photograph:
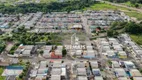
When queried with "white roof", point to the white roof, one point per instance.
{"points": [[89, 47], [55, 77], [98, 78], [123, 78], [81, 71], [137, 78], [49, 47], [120, 72], [94, 64], [59, 47], [63, 72], [122, 53], [26, 52], [128, 63], [29, 47], [110, 53], [33, 73], [135, 73], [111, 39], [82, 78], [43, 64], [115, 64], [78, 52], [42, 71], [57, 65], [77, 26], [56, 71], [58, 52]]}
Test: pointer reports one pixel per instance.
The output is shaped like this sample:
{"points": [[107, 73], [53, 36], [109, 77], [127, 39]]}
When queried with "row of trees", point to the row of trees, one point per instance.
{"points": [[134, 3], [46, 7], [122, 1], [129, 27]]}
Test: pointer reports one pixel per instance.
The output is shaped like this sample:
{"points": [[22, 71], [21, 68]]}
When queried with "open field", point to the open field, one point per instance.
{"points": [[134, 14], [1, 71], [105, 6], [137, 38], [131, 5]]}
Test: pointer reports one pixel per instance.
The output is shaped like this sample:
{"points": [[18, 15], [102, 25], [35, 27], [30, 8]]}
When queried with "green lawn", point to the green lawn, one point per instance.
{"points": [[134, 14], [104, 6], [130, 4], [137, 38], [1, 71]]}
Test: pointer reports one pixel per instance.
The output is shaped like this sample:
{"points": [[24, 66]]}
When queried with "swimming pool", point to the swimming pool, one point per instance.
{"points": [[15, 67]]}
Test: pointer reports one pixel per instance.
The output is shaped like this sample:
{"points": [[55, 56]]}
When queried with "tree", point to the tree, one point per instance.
{"points": [[64, 51], [41, 52], [110, 33], [136, 5]]}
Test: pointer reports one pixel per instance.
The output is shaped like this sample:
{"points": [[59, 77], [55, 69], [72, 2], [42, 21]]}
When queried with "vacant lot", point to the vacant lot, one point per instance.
{"points": [[137, 38]]}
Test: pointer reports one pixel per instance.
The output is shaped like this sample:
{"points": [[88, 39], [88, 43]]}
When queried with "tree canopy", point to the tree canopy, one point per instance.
{"points": [[46, 7]]}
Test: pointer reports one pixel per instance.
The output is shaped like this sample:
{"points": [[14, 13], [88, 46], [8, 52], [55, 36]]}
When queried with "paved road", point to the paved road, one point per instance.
{"points": [[86, 27]]}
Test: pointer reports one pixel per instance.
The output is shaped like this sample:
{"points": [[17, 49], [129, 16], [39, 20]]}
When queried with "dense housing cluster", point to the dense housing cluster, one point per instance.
{"points": [[31, 52]]}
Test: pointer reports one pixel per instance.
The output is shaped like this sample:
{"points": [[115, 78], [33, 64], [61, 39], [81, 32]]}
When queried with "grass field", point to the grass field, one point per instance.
{"points": [[134, 14], [1, 71], [130, 4], [137, 38], [105, 6]]}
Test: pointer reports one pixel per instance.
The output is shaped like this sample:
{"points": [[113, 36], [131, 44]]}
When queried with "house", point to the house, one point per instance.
{"points": [[46, 54], [64, 73], [56, 71], [89, 54], [120, 72], [123, 78], [26, 53], [82, 78], [80, 65], [111, 54], [137, 78], [115, 64], [33, 73], [81, 72], [55, 77], [135, 73], [96, 72], [48, 47], [78, 53], [58, 52], [122, 54], [129, 65], [42, 71], [117, 48], [94, 64], [105, 48], [5, 26], [43, 64], [57, 65], [40, 77], [98, 78]]}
